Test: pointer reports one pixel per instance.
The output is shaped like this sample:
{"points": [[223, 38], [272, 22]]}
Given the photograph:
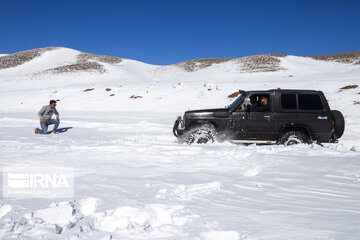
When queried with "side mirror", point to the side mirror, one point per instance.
{"points": [[221, 114]]}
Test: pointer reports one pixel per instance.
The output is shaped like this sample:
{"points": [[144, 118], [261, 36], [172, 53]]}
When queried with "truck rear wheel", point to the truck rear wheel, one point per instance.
{"points": [[294, 137], [339, 123]]}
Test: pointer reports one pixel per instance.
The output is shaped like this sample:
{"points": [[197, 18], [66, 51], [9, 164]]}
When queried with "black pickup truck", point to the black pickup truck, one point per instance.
{"points": [[273, 116]]}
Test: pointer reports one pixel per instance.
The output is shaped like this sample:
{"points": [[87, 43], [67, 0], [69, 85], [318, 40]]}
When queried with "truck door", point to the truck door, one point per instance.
{"points": [[254, 124]]}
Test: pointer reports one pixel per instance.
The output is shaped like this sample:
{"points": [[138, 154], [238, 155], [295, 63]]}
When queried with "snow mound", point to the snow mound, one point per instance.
{"points": [[253, 171], [88, 205], [151, 216], [5, 209], [71, 217], [220, 235], [56, 219], [61, 214], [187, 192]]}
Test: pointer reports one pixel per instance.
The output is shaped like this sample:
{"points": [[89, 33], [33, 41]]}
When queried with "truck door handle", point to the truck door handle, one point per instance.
{"points": [[267, 118]]}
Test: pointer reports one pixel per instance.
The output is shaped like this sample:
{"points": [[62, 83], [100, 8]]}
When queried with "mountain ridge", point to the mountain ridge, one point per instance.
{"points": [[94, 62]]}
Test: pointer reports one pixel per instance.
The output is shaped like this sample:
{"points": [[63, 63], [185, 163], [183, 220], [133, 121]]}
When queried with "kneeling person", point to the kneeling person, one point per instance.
{"points": [[45, 115]]}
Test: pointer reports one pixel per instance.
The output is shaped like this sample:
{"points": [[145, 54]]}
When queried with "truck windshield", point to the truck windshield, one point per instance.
{"points": [[236, 101]]}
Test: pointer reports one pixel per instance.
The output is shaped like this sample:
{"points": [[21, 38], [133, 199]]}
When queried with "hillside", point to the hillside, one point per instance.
{"points": [[133, 180], [348, 57], [64, 74]]}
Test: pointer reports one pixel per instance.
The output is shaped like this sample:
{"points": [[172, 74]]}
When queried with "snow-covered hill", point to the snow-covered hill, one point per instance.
{"points": [[134, 181], [64, 74]]}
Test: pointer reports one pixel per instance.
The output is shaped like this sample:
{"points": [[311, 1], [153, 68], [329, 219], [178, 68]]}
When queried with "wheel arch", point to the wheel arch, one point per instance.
{"points": [[294, 127], [199, 123]]}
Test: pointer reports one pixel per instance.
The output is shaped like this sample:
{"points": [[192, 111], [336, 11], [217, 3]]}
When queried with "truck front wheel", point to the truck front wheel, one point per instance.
{"points": [[202, 135]]}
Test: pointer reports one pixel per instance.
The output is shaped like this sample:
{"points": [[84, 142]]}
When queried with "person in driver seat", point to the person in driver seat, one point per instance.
{"points": [[264, 106]]}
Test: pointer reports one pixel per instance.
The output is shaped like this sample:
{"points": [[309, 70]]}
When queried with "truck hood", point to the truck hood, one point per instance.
{"points": [[211, 110]]}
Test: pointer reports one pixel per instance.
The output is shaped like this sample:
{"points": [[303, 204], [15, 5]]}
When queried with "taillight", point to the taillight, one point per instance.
{"points": [[332, 124]]}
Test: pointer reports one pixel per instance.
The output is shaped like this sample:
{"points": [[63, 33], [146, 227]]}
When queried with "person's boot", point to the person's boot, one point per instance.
{"points": [[36, 131], [54, 132]]}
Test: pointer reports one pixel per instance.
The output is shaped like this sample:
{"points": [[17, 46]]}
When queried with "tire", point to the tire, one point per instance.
{"points": [[339, 123], [202, 135], [294, 137]]}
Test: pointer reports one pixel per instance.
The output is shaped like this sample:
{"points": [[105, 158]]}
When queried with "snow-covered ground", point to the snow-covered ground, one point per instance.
{"points": [[134, 181]]}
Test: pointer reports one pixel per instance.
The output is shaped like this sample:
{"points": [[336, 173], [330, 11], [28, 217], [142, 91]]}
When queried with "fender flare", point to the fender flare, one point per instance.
{"points": [[300, 127], [198, 123]]}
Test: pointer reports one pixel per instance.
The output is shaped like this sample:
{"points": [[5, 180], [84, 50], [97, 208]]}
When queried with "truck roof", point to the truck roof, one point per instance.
{"points": [[285, 90]]}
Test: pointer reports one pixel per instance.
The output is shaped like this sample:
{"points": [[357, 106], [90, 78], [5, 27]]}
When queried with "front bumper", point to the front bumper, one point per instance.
{"points": [[178, 129]]}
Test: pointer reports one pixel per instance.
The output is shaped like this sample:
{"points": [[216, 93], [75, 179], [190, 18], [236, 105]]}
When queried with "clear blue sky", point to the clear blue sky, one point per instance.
{"points": [[169, 31]]}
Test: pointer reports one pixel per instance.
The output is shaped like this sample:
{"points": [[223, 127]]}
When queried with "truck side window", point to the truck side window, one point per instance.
{"points": [[254, 103], [288, 101], [246, 103], [310, 102]]}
